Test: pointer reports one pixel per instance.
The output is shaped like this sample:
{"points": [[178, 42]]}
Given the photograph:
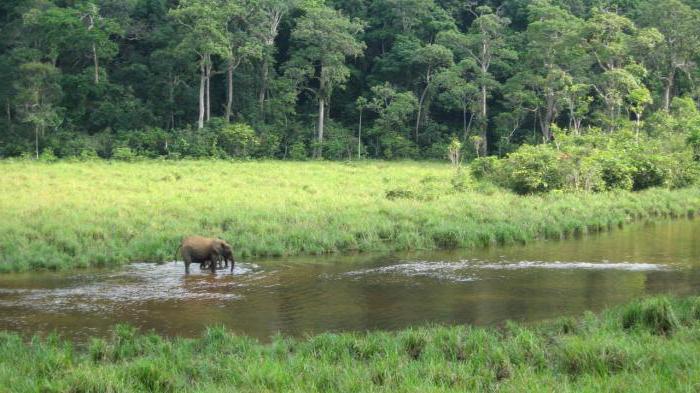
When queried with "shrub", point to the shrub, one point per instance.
{"points": [[533, 169], [123, 154], [616, 171], [485, 168], [297, 152], [649, 171], [396, 146], [237, 140], [47, 155], [693, 141]]}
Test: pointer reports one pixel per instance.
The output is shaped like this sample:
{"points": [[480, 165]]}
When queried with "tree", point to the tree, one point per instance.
{"points": [[80, 29], [430, 59], [205, 23], [323, 38], [612, 39], [241, 44], [553, 55], [678, 23], [486, 45], [37, 92], [456, 91], [265, 26]]}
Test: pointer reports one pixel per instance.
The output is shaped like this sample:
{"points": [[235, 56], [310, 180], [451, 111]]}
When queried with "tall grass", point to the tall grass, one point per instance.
{"points": [[100, 213], [595, 353]]}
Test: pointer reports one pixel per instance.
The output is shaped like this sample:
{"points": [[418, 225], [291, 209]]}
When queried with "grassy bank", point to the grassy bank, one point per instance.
{"points": [[646, 346], [99, 213]]}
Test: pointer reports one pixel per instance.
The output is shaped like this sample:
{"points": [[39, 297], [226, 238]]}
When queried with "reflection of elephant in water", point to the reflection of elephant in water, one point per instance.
{"points": [[203, 250]]}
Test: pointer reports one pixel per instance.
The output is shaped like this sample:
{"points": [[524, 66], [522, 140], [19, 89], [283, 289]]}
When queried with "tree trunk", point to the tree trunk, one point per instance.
{"points": [[202, 84], [546, 121], [36, 141], [97, 64], [420, 104], [208, 90], [359, 138], [667, 90], [229, 92], [8, 110], [420, 113], [321, 114], [263, 86], [484, 121]]}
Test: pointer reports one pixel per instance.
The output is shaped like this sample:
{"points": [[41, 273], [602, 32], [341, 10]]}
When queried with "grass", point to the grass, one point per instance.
{"points": [[651, 345], [66, 215]]}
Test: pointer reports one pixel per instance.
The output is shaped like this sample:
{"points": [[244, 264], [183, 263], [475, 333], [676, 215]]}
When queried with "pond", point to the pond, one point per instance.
{"points": [[307, 295]]}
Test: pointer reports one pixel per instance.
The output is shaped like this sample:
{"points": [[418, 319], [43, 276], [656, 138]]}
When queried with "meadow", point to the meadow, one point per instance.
{"points": [[101, 213], [650, 345]]}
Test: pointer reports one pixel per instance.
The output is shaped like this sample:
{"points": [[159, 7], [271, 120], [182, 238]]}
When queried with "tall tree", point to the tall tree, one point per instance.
{"points": [[37, 93], [486, 44], [324, 38], [205, 23], [430, 60], [680, 26]]}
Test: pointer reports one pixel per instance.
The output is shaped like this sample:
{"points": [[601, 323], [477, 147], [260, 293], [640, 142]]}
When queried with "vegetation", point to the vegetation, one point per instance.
{"points": [[97, 213], [650, 344], [293, 78]]}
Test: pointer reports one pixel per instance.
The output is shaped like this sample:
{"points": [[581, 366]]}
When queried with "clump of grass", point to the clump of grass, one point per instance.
{"points": [[655, 314], [604, 355], [114, 213]]}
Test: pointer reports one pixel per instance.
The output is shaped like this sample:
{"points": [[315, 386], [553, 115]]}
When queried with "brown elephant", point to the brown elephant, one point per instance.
{"points": [[205, 250]]}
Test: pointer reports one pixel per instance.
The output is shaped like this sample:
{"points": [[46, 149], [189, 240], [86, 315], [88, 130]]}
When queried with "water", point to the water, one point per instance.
{"points": [[299, 296]]}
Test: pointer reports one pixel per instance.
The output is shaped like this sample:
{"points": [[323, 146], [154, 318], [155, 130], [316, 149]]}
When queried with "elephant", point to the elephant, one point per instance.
{"points": [[205, 250]]}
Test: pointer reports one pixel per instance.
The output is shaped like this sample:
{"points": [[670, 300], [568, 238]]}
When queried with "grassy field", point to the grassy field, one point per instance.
{"points": [[651, 345], [65, 215]]}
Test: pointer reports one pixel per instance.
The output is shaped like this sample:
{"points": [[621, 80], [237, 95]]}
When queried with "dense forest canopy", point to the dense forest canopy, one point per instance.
{"points": [[302, 78]]}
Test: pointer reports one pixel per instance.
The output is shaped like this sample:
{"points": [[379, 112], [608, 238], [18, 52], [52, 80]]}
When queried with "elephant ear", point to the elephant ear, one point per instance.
{"points": [[218, 247]]}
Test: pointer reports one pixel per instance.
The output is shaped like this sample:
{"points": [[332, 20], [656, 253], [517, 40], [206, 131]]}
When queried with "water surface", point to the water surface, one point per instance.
{"points": [[299, 296]]}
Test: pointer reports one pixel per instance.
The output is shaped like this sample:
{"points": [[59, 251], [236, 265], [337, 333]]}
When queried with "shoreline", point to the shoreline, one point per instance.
{"points": [[652, 341]]}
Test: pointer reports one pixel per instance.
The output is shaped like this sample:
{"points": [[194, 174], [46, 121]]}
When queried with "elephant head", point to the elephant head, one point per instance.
{"points": [[224, 251]]}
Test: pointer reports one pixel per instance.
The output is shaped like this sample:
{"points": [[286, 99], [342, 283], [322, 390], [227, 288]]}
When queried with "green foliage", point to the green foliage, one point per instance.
{"points": [[656, 315], [237, 140], [92, 76], [123, 153], [533, 169]]}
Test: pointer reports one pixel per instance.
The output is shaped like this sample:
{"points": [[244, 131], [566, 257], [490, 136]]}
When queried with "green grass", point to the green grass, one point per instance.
{"points": [[66, 215], [651, 345]]}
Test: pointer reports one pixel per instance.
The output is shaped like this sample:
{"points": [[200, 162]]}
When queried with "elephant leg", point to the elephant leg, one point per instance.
{"points": [[213, 264], [187, 260]]}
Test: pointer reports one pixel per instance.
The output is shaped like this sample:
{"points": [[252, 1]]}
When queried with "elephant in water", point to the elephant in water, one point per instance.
{"points": [[203, 250]]}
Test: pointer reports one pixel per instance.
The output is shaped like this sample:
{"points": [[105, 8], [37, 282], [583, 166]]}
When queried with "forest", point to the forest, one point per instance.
{"points": [[345, 79]]}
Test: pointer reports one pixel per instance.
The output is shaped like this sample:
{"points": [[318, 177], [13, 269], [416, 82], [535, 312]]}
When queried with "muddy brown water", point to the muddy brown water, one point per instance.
{"points": [[300, 296]]}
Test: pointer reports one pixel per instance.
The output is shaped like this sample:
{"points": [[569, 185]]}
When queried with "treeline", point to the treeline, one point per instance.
{"points": [[342, 78]]}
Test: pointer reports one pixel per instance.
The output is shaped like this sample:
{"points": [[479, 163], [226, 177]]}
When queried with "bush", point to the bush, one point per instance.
{"points": [[237, 140], [395, 146], [533, 169], [297, 152], [485, 168], [649, 171], [693, 141], [47, 155], [123, 154], [616, 171]]}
